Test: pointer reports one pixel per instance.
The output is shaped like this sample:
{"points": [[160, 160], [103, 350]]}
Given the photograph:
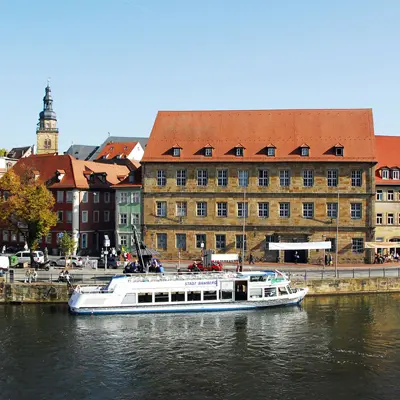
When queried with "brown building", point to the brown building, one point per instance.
{"points": [[216, 177]]}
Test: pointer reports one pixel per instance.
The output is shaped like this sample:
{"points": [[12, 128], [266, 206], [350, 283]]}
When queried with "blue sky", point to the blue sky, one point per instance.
{"points": [[114, 63]]}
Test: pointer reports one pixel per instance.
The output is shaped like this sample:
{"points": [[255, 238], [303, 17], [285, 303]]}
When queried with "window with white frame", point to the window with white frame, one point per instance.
{"points": [[181, 241], [379, 218], [123, 197], [242, 210], [390, 195], [106, 216], [177, 152], [85, 217], [339, 151], [202, 177], [69, 196], [60, 196], [220, 242], [208, 151], [107, 197], [21, 238], [270, 151], [385, 173], [305, 151], [135, 220], [84, 241], [239, 242], [356, 210], [263, 210], [332, 177], [96, 197], [379, 195], [200, 238], [390, 219], [239, 151], [5, 236], [284, 177], [357, 245], [181, 208], [123, 240], [222, 209], [284, 210], [162, 241], [13, 237], [60, 216], [69, 217], [48, 238], [356, 178], [161, 177], [263, 178], [123, 218], [85, 197], [308, 177], [308, 210], [243, 178], [161, 208], [396, 174], [96, 216], [181, 177], [135, 197], [222, 177], [201, 209], [331, 210]]}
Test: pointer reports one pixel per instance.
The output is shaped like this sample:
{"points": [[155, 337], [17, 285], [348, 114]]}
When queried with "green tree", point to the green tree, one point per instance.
{"points": [[26, 206], [3, 152], [67, 245]]}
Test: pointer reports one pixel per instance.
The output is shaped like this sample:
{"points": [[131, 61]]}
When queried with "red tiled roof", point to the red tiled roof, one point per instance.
{"points": [[76, 171], [388, 156], [112, 150], [254, 130]]}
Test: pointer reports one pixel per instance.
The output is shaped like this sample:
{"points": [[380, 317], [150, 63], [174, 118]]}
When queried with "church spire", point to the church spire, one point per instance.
{"points": [[47, 114]]}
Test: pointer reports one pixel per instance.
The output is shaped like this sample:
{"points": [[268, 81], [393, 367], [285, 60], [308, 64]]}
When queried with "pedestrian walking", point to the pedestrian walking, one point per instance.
{"points": [[34, 275], [3, 250]]}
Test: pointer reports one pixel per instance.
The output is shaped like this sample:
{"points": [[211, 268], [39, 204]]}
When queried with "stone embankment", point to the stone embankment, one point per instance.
{"points": [[59, 293]]}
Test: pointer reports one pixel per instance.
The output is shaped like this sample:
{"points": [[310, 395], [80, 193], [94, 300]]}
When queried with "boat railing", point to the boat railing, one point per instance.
{"points": [[173, 276]]}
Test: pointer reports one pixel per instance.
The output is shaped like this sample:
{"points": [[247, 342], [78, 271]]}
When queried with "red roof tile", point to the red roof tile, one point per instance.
{"points": [[287, 129], [112, 150], [76, 171], [388, 156]]}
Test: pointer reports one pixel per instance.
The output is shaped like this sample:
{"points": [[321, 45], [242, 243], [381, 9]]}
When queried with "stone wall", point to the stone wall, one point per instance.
{"points": [[35, 293]]}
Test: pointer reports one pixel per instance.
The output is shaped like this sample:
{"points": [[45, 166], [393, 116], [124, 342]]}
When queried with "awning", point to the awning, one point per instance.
{"points": [[300, 246], [381, 245]]}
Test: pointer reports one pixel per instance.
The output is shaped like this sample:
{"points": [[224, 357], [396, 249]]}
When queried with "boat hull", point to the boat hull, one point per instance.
{"points": [[190, 308]]}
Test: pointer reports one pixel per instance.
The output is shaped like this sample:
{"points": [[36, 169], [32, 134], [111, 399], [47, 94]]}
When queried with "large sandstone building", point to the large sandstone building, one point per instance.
{"points": [[225, 180]]}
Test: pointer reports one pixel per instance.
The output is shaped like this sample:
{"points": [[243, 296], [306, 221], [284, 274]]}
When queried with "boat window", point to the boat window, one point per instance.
{"points": [[262, 278], [270, 292], [145, 298], [178, 296], [210, 295], [194, 296], [161, 297], [226, 295], [289, 289], [255, 293], [282, 291]]}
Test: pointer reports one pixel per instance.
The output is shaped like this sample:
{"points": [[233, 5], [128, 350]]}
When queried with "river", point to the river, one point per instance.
{"points": [[338, 347]]}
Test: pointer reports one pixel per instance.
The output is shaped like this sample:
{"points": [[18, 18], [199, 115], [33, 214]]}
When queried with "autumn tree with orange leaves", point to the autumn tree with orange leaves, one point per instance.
{"points": [[26, 206]]}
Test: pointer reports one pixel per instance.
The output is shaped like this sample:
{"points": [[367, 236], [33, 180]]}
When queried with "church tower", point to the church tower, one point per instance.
{"points": [[47, 132]]}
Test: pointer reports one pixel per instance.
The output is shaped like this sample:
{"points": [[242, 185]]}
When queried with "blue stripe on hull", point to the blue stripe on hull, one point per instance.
{"points": [[177, 310]]}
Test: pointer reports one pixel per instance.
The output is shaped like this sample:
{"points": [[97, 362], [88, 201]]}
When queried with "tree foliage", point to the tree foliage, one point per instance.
{"points": [[67, 244], [26, 206], [3, 152]]}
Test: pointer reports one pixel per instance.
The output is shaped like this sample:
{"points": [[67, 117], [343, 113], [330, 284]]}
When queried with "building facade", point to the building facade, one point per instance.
{"points": [[47, 131], [84, 200], [234, 180], [387, 204]]}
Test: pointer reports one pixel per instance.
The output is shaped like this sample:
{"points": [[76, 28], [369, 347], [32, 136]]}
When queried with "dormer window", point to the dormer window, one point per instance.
{"points": [[239, 150], [60, 173], [305, 150], [271, 150], [396, 174], [208, 151], [339, 150], [385, 173], [177, 152], [131, 178]]}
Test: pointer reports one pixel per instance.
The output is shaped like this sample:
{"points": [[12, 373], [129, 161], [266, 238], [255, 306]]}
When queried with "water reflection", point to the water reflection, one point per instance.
{"points": [[334, 347]]}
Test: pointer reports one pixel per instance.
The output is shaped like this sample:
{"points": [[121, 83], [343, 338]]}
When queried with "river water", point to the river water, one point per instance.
{"points": [[344, 347]]}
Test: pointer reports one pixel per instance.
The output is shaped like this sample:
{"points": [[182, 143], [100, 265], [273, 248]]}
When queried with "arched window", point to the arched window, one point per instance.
{"points": [[47, 143]]}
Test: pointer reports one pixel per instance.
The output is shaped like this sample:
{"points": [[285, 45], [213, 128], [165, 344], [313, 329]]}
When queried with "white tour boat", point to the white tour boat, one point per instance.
{"points": [[192, 292]]}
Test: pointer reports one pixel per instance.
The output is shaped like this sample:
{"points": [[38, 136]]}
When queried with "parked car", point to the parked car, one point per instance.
{"points": [[25, 256], [216, 266], [4, 263], [112, 262], [74, 261]]}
